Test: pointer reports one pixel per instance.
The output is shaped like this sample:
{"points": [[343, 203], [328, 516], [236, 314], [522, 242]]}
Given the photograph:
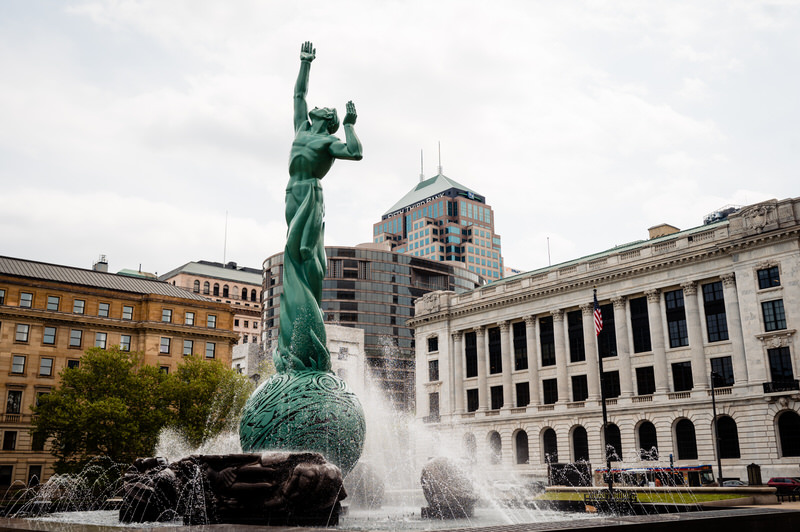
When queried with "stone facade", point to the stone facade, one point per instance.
{"points": [[50, 315], [507, 366]]}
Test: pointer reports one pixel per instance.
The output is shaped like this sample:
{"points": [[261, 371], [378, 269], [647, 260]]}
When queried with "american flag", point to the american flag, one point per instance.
{"points": [[598, 317]]}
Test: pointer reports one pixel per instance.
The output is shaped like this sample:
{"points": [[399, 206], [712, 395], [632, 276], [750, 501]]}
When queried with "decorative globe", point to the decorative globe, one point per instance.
{"points": [[305, 411]]}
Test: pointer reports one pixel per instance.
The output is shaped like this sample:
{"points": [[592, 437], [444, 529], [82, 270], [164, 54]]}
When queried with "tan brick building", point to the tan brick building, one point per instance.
{"points": [[50, 315]]}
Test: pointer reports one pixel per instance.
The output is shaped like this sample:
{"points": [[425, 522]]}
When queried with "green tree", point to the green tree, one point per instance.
{"points": [[111, 406], [208, 398]]}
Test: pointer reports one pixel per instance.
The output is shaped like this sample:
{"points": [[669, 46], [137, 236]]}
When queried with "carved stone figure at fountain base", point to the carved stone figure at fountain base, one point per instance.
{"points": [[270, 489], [448, 490]]}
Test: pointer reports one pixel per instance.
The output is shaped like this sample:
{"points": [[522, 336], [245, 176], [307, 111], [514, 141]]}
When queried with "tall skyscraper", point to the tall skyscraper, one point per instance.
{"points": [[442, 220]]}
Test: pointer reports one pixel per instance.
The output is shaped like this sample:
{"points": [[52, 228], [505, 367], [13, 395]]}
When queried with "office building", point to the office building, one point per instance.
{"points": [[511, 368]]}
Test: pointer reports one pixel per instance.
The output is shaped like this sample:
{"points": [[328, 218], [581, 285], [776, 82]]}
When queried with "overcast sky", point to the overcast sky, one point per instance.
{"points": [[130, 128]]}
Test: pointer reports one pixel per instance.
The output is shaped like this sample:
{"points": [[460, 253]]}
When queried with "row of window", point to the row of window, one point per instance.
{"points": [[684, 441], [23, 330], [166, 343], [7, 472], [188, 318], [207, 290]]}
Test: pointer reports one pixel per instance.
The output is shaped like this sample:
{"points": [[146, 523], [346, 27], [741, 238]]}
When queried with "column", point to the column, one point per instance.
{"points": [[657, 340], [506, 348], [561, 355], [483, 391], [695, 329], [458, 371], [623, 346], [590, 348], [533, 358], [734, 318]]}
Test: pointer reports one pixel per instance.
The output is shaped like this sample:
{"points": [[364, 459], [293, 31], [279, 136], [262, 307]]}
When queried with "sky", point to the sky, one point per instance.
{"points": [[147, 131]]}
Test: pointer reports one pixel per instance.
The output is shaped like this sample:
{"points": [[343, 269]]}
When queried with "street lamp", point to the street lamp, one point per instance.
{"points": [[714, 375]]}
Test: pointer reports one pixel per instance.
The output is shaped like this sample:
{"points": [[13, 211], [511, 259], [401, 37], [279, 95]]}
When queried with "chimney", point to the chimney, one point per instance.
{"points": [[101, 265]]}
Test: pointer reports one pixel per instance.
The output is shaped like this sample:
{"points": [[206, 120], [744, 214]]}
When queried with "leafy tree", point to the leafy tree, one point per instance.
{"points": [[111, 406], [208, 398]]}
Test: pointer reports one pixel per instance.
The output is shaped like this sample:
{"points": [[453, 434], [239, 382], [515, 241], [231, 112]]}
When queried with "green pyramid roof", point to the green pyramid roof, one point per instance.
{"points": [[427, 188]]}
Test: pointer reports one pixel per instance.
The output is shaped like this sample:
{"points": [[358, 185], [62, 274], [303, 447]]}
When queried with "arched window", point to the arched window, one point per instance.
{"points": [[196, 287], [580, 444], [470, 447], [244, 294], [253, 295], [687, 443], [225, 291], [789, 433], [495, 448], [216, 289], [550, 446], [728, 437], [205, 287], [521, 442], [648, 442], [613, 443]]}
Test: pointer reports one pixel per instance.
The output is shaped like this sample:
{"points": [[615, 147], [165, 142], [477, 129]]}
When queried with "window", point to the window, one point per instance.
{"points": [[246, 324], [102, 309], [607, 339], [9, 440], [49, 337], [14, 402], [682, 376], [206, 287], [216, 289], [774, 316], [73, 364], [640, 325], [2, 297], [768, 278], [22, 332], [497, 397], [433, 344], [75, 336], [472, 400], [728, 437], [722, 371], [164, 346], [580, 444], [547, 341], [521, 444], [34, 475], [211, 322], [100, 340], [495, 447], [166, 315], [164, 369], [188, 347], [236, 322], [433, 370], [433, 406], [648, 441], [188, 318], [127, 312], [471, 354], [253, 294], [18, 364], [780, 364], [78, 306], [225, 292], [789, 433], [577, 352], [211, 349], [37, 442], [523, 394], [645, 380], [6, 472], [196, 287], [613, 443], [550, 446], [580, 390], [520, 346], [124, 342], [685, 436], [25, 299], [495, 351], [244, 294], [550, 391], [52, 302], [714, 305], [610, 384], [676, 319], [46, 367]]}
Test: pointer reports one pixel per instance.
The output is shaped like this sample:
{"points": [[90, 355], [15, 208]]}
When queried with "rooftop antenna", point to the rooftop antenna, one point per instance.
{"points": [[440, 157], [225, 241], [548, 252], [421, 173]]}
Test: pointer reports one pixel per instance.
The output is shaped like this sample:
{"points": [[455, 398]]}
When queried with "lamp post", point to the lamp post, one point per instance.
{"points": [[714, 375]]}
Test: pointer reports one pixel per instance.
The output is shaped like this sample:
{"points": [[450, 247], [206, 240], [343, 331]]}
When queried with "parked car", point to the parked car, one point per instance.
{"points": [[785, 484], [733, 483]]}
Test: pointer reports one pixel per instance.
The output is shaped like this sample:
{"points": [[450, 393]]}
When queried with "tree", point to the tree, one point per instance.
{"points": [[208, 398], [110, 406]]}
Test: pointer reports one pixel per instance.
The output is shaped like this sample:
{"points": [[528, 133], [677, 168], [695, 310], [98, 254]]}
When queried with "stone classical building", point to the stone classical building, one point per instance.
{"points": [[511, 369], [237, 286], [50, 315]]}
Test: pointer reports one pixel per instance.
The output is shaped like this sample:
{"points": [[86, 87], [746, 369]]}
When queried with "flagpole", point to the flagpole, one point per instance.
{"points": [[597, 329]]}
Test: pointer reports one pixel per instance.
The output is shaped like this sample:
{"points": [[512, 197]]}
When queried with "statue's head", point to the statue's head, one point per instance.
{"points": [[329, 115]]}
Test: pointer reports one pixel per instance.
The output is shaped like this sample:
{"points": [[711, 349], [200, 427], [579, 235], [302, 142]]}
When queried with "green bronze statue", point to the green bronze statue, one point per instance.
{"points": [[305, 407]]}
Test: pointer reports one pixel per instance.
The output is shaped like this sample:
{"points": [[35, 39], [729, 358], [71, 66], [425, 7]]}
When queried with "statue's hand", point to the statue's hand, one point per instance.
{"points": [[350, 116], [307, 52]]}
